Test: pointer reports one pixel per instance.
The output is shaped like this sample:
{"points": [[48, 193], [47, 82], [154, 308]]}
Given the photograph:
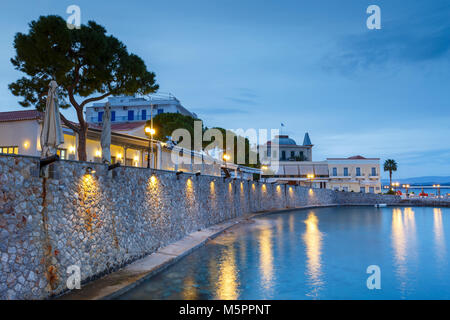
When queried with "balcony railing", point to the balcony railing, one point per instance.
{"points": [[123, 119]]}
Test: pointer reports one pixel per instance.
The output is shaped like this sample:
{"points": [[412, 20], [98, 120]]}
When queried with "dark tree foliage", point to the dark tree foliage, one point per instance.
{"points": [[85, 63], [234, 152], [390, 165], [166, 123]]}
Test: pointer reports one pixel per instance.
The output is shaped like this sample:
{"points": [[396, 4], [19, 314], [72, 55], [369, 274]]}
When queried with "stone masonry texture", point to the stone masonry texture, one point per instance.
{"points": [[105, 220]]}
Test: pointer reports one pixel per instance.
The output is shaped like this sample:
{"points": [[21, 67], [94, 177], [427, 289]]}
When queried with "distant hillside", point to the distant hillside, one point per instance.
{"points": [[423, 181]]}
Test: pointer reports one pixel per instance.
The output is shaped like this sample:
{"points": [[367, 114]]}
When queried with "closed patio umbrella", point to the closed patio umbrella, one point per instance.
{"points": [[51, 135], [106, 135]]}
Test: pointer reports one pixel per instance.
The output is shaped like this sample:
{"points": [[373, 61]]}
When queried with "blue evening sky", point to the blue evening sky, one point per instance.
{"points": [[312, 65]]}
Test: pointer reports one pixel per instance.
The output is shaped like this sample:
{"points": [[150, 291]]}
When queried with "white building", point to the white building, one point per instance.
{"points": [[20, 133], [283, 148], [134, 108], [291, 163]]}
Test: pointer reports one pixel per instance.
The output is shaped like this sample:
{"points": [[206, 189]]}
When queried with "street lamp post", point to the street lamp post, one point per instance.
{"points": [[396, 184], [406, 186], [225, 158], [150, 132], [438, 186], [310, 177], [263, 168]]}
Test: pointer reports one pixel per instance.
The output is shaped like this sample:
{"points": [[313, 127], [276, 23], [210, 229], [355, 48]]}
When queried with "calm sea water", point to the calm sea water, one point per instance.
{"points": [[316, 254]]}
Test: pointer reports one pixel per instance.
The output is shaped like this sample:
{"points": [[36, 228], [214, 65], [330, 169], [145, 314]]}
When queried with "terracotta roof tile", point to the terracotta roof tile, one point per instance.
{"points": [[20, 115]]}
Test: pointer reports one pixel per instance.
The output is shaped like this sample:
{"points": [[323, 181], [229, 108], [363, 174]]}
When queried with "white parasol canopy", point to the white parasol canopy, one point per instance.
{"points": [[51, 135], [106, 135]]}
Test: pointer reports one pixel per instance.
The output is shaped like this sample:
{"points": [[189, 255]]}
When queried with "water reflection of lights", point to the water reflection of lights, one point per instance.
{"points": [[439, 235], [291, 223], [228, 283], [403, 242], [313, 243], [266, 256], [189, 289]]}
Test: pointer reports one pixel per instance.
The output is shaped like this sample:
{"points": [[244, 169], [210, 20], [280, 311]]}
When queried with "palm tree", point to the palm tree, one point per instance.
{"points": [[390, 165]]}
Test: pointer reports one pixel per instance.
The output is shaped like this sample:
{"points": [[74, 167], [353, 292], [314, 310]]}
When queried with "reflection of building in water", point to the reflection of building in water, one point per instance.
{"points": [[313, 243]]}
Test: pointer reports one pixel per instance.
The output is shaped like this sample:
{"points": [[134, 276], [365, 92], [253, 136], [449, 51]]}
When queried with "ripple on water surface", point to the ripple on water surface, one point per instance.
{"points": [[316, 254]]}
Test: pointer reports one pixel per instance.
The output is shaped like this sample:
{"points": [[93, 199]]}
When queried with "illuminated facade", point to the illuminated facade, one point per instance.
{"points": [[20, 134], [354, 174], [136, 109]]}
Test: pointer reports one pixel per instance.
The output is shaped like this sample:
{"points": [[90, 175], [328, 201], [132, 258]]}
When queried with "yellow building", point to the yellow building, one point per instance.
{"points": [[20, 133], [357, 174]]}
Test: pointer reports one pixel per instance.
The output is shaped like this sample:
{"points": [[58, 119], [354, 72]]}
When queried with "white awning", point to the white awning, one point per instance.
{"points": [[305, 170], [278, 171]]}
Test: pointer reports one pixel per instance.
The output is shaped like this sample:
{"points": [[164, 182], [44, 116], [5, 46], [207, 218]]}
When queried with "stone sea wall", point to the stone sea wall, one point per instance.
{"points": [[101, 221], [352, 198]]}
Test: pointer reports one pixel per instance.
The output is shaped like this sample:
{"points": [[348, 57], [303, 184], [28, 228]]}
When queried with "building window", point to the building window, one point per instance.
{"points": [[358, 172], [372, 190], [283, 155], [292, 154], [9, 150], [374, 171], [130, 115], [113, 116], [161, 111], [363, 189], [345, 189], [144, 115], [100, 116], [274, 154], [335, 172], [62, 153], [345, 172]]}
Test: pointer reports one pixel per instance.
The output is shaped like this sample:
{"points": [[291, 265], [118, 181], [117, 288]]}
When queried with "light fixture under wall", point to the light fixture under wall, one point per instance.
{"points": [[89, 170]]}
